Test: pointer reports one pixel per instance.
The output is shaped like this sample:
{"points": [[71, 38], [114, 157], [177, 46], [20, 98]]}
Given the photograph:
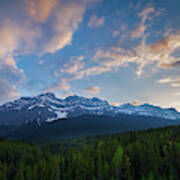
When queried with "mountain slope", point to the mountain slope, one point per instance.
{"points": [[48, 108], [83, 126]]}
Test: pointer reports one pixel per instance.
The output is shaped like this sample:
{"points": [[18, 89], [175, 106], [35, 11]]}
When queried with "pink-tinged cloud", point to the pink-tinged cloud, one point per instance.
{"points": [[67, 18], [74, 66], [142, 55], [27, 35], [40, 10], [114, 104], [141, 27], [136, 103], [92, 90]]}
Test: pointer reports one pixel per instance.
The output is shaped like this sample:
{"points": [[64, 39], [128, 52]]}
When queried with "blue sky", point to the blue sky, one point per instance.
{"points": [[118, 50]]}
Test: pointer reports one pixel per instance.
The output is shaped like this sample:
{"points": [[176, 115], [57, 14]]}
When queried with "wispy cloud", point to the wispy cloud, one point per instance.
{"points": [[40, 10], [62, 85], [114, 104], [96, 21], [74, 66], [92, 90], [141, 27], [146, 15], [173, 81], [165, 80], [142, 54]]}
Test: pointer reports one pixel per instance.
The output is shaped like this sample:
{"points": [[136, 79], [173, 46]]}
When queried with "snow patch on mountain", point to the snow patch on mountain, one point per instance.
{"points": [[61, 115]]}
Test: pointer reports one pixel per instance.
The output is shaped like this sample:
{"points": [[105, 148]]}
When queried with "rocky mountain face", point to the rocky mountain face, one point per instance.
{"points": [[48, 108]]}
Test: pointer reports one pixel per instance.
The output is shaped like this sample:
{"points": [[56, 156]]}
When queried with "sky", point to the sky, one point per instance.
{"points": [[118, 50]]}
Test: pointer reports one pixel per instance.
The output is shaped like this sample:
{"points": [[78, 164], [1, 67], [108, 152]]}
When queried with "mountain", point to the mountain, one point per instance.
{"points": [[46, 118], [48, 108], [82, 126]]}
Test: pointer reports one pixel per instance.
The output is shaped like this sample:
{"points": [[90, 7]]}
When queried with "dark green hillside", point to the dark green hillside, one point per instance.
{"points": [[144, 155], [83, 126]]}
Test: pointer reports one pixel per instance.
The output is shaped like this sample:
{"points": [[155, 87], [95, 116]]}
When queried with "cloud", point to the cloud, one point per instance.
{"points": [[177, 94], [164, 49], [95, 70], [96, 21], [28, 35], [10, 78], [136, 103], [11, 74], [142, 54], [91, 71], [173, 81], [74, 66], [141, 27], [116, 33], [145, 15], [176, 84], [139, 31], [67, 18], [92, 90], [7, 91], [163, 44], [40, 10], [14, 39], [62, 85], [31, 36], [168, 66], [165, 80], [175, 104], [114, 104], [68, 94]]}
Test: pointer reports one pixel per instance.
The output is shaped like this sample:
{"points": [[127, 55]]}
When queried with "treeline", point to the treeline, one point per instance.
{"points": [[143, 155]]}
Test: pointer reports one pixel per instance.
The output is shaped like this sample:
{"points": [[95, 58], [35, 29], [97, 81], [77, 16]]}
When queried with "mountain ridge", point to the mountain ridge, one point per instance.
{"points": [[47, 107]]}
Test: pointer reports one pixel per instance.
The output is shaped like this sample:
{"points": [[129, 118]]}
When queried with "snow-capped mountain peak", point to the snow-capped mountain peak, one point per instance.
{"points": [[47, 108]]}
